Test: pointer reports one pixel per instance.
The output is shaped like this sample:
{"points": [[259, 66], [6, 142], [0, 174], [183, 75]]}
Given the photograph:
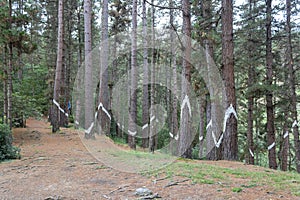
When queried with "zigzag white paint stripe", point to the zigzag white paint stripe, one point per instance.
{"points": [[214, 137], [201, 138], [271, 146], [228, 112], [286, 135], [104, 110], [171, 135], [295, 124], [99, 106], [220, 141], [251, 152], [56, 103], [145, 126], [59, 108], [177, 137], [88, 131], [132, 133], [186, 101], [209, 124], [217, 143]]}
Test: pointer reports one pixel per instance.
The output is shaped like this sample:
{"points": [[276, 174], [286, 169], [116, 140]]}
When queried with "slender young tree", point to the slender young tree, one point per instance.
{"points": [[88, 100], [59, 66], [230, 143], [133, 95], [269, 93], [292, 83], [104, 95], [145, 113], [185, 138]]}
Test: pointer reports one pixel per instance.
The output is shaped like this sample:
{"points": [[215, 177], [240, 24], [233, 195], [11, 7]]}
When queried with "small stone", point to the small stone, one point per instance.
{"points": [[143, 192]]}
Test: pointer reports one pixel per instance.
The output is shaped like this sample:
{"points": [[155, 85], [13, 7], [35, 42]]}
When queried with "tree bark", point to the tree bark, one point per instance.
{"points": [[145, 114], [174, 118], [104, 90], [292, 79], [230, 142], [250, 99], [58, 70], [269, 93], [88, 100], [185, 137], [152, 133], [132, 132]]}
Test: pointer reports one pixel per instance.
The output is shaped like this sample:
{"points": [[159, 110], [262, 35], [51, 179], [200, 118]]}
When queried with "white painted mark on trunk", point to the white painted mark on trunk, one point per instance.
{"points": [[59, 108], [217, 143], [209, 124], [251, 153], [186, 101], [171, 135], [152, 118], [88, 131], [177, 137], [228, 113], [271, 146], [132, 133], [201, 138], [295, 124], [145, 126], [286, 135]]}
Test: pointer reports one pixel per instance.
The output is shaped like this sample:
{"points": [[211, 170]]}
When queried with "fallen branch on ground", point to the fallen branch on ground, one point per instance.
{"points": [[176, 183]]}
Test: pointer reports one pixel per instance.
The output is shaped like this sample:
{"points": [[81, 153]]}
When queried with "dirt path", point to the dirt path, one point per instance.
{"points": [[57, 166]]}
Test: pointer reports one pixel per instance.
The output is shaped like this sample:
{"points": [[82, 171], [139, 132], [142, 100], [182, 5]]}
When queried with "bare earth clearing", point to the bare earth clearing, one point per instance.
{"points": [[57, 166]]}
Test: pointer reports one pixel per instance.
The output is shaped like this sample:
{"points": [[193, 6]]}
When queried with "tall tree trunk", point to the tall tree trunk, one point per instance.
{"points": [[132, 131], [152, 133], [230, 142], [9, 72], [269, 93], [104, 92], [88, 100], [292, 78], [5, 103], [174, 124], [79, 81], [145, 117], [185, 138], [250, 143], [58, 70]]}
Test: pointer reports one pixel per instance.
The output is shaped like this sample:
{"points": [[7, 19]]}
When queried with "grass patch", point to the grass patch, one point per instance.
{"points": [[211, 174], [237, 189]]}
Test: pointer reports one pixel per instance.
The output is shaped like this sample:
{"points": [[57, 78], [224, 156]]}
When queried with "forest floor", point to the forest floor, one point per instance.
{"points": [[58, 166]]}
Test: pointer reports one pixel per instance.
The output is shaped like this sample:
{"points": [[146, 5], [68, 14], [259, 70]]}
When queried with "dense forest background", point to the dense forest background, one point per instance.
{"points": [[254, 44]]}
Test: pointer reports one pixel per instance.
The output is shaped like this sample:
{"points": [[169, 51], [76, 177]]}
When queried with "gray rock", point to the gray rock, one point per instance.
{"points": [[143, 192]]}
